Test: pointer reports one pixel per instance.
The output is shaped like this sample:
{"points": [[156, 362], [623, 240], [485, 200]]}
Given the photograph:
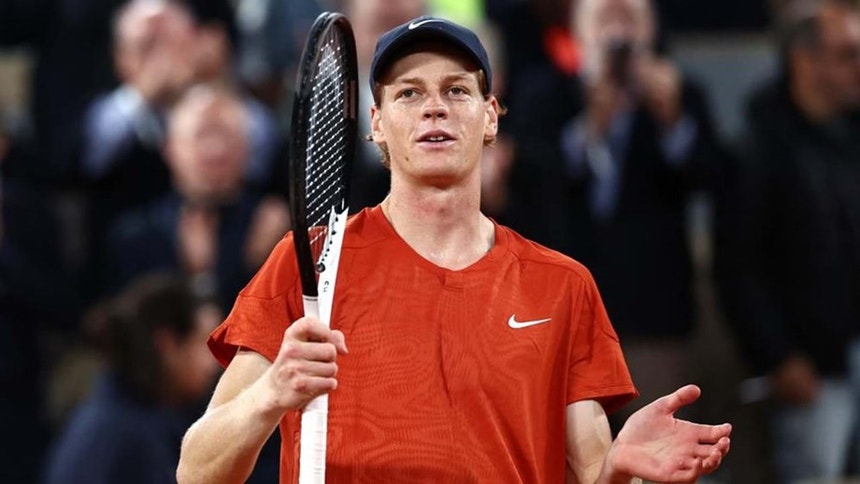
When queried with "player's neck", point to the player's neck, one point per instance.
{"points": [[443, 226]]}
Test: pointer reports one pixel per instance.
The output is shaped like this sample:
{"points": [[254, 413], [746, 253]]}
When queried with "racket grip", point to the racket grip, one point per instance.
{"points": [[312, 450]]}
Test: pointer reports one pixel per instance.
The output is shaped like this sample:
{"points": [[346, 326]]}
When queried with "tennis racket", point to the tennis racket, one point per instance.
{"points": [[323, 146]]}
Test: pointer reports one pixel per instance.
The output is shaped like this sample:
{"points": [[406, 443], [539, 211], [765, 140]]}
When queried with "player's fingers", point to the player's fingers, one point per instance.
{"points": [[308, 328], [679, 398], [313, 386], [724, 445], [710, 434], [710, 463], [322, 352], [318, 369], [705, 450], [339, 341], [293, 350]]}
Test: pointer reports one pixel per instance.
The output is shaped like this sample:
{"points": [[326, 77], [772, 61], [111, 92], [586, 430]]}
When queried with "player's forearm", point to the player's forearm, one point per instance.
{"points": [[224, 444]]}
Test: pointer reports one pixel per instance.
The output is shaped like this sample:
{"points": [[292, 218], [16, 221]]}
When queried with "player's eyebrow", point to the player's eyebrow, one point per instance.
{"points": [[418, 81], [460, 76], [409, 80]]}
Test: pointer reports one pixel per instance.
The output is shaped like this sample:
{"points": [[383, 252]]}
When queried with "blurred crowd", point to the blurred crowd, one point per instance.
{"points": [[145, 183]]}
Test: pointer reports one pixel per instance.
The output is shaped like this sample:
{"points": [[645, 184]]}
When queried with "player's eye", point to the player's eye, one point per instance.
{"points": [[407, 93], [458, 91]]}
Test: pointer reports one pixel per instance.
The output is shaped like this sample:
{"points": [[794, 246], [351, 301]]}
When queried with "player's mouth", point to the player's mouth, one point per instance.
{"points": [[435, 138]]}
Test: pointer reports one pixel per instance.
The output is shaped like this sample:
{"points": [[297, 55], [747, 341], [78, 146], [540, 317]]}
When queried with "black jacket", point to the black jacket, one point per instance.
{"points": [[788, 236]]}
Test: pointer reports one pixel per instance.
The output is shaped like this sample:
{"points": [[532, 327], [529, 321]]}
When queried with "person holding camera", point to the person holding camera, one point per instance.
{"points": [[788, 242], [611, 158]]}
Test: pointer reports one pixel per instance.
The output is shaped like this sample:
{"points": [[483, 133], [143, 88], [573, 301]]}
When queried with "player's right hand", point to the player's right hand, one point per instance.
{"points": [[657, 447], [306, 364]]}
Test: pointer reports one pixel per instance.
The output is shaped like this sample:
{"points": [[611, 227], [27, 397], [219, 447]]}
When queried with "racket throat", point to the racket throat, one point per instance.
{"points": [[329, 262]]}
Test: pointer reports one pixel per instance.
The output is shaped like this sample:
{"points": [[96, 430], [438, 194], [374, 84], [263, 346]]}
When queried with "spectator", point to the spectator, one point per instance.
{"points": [[210, 226], [122, 132], [160, 49], [217, 61], [789, 240], [153, 337], [606, 165], [153, 43]]}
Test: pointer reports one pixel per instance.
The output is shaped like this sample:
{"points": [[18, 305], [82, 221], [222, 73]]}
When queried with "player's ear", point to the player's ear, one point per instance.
{"points": [[491, 126], [376, 131]]}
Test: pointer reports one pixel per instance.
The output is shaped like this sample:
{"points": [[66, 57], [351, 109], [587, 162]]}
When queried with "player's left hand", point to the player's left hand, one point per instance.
{"points": [[655, 446]]}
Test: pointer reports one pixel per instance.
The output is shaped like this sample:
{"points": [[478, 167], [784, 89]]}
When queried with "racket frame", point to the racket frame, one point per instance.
{"points": [[300, 131]]}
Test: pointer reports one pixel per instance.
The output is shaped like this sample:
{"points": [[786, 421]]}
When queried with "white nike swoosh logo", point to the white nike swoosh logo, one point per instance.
{"points": [[512, 322], [415, 25]]}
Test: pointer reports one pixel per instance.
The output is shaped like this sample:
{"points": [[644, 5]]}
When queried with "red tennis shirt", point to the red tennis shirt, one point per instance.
{"points": [[452, 376]]}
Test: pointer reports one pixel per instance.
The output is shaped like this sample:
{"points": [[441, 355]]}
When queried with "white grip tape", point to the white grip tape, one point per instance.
{"points": [[313, 445], [314, 425]]}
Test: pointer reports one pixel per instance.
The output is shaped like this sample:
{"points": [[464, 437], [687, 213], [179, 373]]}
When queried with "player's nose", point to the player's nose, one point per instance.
{"points": [[435, 107]]}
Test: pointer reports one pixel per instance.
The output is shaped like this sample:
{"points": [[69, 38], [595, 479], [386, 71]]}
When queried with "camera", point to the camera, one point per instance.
{"points": [[619, 55]]}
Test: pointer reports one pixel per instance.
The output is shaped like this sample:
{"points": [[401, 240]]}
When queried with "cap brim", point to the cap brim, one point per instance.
{"points": [[426, 34]]}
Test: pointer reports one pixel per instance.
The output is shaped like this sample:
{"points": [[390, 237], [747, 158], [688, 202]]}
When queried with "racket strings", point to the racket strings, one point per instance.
{"points": [[324, 178]]}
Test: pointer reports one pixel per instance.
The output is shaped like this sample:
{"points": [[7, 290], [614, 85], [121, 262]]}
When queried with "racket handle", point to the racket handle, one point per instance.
{"points": [[312, 451], [312, 447]]}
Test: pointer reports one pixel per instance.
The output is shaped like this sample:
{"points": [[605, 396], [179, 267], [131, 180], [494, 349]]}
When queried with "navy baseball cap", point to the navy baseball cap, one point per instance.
{"points": [[427, 28]]}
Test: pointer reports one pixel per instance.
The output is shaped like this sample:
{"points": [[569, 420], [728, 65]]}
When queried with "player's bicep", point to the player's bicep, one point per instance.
{"points": [[588, 441], [245, 368]]}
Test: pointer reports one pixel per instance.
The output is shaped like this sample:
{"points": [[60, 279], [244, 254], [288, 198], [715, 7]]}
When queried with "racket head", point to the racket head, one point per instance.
{"points": [[324, 134]]}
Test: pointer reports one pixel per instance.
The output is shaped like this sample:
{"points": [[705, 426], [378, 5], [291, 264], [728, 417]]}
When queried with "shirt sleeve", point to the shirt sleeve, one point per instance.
{"points": [[263, 309], [597, 367]]}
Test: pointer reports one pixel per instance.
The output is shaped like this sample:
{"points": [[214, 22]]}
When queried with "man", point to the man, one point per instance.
{"points": [[789, 239], [211, 226], [611, 159], [161, 48], [153, 340], [154, 56], [474, 355]]}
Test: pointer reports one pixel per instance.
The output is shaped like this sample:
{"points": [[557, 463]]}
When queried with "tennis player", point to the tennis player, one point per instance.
{"points": [[459, 351]]}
